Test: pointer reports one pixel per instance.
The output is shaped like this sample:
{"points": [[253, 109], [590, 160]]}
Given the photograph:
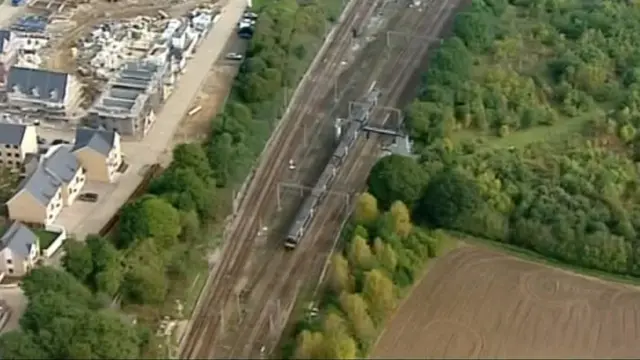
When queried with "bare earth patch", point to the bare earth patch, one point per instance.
{"points": [[210, 99], [476, 303]]}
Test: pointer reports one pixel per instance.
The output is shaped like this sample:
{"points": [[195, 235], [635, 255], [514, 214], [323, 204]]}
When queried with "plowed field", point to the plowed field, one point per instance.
{"points": [[476, 303]]}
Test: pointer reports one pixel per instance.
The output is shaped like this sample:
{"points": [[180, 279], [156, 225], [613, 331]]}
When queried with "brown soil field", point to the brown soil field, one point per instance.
{"points": [[477, 303]]}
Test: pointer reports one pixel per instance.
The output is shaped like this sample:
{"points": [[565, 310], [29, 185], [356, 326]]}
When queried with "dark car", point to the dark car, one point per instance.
{"points": [[59, 141], [88, 197]]}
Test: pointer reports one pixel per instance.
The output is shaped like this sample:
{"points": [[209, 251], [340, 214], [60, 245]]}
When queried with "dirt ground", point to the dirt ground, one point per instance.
{"points": [[210, 99], [476, 303]]}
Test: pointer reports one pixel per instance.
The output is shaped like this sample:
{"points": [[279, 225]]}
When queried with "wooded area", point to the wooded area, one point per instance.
{"points": [[163, 237], [526, 131], [384, 253]]}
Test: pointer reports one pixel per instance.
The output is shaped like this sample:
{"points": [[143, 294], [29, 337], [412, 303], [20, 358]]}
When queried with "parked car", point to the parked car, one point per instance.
{"points": [[88, 197], [234, 56]]}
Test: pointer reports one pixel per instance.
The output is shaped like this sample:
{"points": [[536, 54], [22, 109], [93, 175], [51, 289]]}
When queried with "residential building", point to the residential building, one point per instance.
{"points": [[38, 199], [54, 94], [19, 250], [8, 54], [16, 142], [55, 183], [99, 152], [60, 163], [130, 101]]}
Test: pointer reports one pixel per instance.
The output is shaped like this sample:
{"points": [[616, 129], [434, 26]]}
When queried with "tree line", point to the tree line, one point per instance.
{"points": [[526, 132], [161, 237], [383, 255]]}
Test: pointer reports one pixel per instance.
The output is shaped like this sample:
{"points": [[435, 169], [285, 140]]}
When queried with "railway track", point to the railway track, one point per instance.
{"points": [[238, 249], [312, 253]]}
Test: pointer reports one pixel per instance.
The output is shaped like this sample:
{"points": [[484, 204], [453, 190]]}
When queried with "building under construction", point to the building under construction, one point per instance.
{"points": [[131, 99]]}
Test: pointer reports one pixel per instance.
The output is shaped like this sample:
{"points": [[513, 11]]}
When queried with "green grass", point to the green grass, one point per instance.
{"points": [[537, 258], [46, 237], [521, 138]]}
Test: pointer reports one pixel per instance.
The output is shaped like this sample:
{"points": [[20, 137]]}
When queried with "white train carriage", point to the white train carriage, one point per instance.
{"points": [[301, 222]]}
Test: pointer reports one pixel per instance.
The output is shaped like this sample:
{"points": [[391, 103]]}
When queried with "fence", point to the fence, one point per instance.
{"points": [[57, 242]]}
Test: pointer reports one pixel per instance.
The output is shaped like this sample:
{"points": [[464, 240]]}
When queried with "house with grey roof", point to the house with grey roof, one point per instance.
{"points": [[8, 53], [56, 95], [17, 141], [19, 250], [129, 103], [99, 152], [56, 182], [60, 163], [38, 199]]}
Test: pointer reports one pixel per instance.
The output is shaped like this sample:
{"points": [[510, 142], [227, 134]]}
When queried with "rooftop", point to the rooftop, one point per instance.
{"points": [[127, 93], [41, 185], [60, 163], [19, 238], [11, 134], [101, 141], [40, 84]]}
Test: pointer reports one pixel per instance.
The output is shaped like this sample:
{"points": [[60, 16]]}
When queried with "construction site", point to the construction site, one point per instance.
{"points": [[378, 46], [88, 48]]}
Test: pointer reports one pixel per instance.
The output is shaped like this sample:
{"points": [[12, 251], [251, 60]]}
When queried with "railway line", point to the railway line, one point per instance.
{"points": [[236, 252], [307, 261], [278, 277]]}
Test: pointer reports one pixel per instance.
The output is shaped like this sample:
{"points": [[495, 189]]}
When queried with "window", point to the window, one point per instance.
{"points": [[9, 261], [10, 271], [8, 146], [10, 162]]}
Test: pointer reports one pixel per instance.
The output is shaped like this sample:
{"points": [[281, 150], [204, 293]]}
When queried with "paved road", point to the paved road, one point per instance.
{"points": [[140, 154]]}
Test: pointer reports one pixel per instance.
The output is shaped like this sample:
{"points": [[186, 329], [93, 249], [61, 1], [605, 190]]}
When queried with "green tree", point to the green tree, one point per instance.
{"points": [[147, 217], [194, 157], [184, 189], [356, 310], [366, 211], [45, 308], [449, 196], [396, 177], [401, 219], [379, 292], [104, 335], [21, 345], [145, 281], [224, 158], [309, 345], [386, 255], [77, 260], [360, 255], [47, 279], [338, 344], [107, 265], [339, 277]]}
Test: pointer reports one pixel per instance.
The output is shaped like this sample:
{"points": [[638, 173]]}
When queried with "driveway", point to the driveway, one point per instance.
{"points": [[17, 303]]}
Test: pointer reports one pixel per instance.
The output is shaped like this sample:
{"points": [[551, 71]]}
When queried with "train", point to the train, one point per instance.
{"points": [[303, 218]]}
